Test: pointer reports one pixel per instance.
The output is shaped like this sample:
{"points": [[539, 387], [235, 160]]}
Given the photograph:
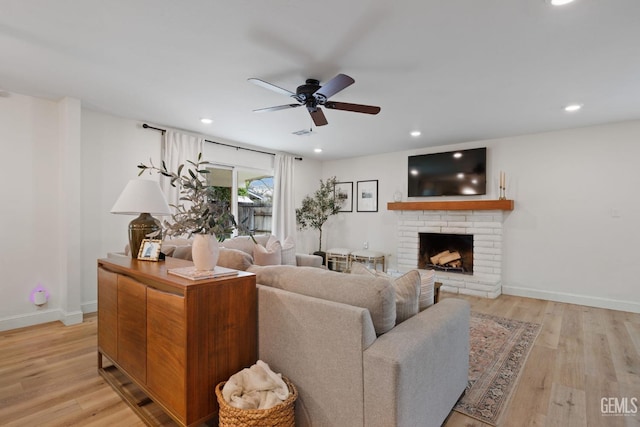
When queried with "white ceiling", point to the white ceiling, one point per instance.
{"points": [[458, 70]]}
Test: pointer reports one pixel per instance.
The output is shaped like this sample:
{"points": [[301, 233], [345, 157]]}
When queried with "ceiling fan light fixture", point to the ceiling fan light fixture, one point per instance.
{"points": [[317, 150]]}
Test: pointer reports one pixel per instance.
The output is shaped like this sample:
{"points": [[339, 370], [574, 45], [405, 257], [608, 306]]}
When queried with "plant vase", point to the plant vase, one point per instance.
{"points": [[205, 251]]}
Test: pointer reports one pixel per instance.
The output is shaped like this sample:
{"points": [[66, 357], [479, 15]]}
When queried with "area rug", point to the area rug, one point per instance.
{"points": [[498, 350]]}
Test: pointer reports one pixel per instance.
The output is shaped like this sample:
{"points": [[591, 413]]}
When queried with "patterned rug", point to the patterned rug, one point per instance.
{"points": [[499, 349]]}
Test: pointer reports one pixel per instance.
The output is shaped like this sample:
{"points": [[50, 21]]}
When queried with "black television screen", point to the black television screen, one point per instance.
{"points": [[454, 173]]}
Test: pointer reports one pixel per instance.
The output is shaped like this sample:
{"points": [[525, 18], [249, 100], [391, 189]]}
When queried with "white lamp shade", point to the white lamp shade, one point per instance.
{"points": [[141, 196]]}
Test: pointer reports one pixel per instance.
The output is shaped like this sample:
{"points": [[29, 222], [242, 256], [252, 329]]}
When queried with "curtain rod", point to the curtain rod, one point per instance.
{"points": [[146, 126]]}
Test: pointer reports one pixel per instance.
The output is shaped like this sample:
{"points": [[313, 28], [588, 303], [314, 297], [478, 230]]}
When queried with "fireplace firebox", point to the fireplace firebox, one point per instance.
{"points": [[446, 252]]}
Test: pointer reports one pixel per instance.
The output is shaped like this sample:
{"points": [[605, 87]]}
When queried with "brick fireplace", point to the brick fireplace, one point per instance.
{"points": [[482, 219]]}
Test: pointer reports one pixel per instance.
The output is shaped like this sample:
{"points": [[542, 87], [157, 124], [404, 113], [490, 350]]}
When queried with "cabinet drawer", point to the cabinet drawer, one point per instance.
{"points": [[167, 342]]}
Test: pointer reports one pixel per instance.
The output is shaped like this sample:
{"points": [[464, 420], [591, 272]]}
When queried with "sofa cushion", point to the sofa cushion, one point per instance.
{"points": [[407, 289], [289, 251], [271, 255], [182, 252], [235, 259], [375, 294], [245, 243], [427, 280]]}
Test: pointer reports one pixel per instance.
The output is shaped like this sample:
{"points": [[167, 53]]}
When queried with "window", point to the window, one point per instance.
{"points": [[253, 201]]}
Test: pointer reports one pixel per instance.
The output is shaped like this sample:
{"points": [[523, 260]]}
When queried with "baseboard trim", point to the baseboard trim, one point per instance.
{"points": [[569, 298], [72, 318], [89, 307], [46, 316], [24, 320]]}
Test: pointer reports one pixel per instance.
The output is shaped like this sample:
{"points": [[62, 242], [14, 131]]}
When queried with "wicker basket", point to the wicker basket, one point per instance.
{"points": [[280, 415]]}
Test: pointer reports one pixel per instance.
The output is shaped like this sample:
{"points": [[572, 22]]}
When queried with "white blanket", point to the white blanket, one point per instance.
{"points": [[257, 387]]}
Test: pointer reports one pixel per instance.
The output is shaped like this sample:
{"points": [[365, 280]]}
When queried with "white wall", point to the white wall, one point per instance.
{"points": [[30, 194], [573, 235], [111, 149]]}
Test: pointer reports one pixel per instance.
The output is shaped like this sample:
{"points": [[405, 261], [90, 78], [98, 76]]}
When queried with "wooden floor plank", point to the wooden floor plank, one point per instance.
{"points": [[596, 388], [551, 325], [567, 407], [532, 395]]}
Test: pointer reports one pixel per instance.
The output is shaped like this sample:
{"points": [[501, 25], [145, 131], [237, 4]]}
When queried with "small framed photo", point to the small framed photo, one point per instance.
{"points": [[367, 196], [344, 195], [150, 250]]}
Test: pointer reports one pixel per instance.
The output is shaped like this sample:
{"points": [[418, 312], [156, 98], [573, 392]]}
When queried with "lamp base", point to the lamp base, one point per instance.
{"points": [[140, 228]]}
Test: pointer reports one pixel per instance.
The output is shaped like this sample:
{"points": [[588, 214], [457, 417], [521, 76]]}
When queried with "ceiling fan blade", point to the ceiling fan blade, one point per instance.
{"points": [[335, 85], [279, 107], [357, 108], [318, 117], [270, 86]]}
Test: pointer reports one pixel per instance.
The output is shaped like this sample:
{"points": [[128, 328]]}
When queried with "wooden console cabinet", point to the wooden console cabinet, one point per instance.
{"points": [[174, 338]]}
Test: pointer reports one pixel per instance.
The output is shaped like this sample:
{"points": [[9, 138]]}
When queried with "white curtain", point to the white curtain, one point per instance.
{"points": [[176, 149], [284, 213]]}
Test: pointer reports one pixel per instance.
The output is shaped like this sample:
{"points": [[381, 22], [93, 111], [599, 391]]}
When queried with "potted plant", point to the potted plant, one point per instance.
{"points": [[316, 210], [200, 214]]}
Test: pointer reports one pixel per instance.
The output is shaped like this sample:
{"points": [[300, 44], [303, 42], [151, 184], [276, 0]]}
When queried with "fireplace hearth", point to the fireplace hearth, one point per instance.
{"points": [[452, 253]]}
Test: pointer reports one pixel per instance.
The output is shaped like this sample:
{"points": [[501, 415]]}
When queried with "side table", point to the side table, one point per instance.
{"points": [[372, 258], [338, 259]]}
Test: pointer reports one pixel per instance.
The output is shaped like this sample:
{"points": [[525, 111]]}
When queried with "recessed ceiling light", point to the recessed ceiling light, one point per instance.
{"points": [[572, 108], [416, 133], [317, 150], [560, 2], [206, 121]]}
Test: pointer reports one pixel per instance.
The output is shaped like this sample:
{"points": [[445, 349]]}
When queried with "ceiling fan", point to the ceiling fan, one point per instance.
{"points": [[312, 95]]}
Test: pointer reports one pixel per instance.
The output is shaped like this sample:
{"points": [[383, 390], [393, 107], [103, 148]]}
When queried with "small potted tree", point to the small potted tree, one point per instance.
{"points": [[317, 209]]}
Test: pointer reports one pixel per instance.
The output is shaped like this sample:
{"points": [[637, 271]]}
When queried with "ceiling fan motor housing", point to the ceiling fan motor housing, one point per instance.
{"points": [[306, 90]]}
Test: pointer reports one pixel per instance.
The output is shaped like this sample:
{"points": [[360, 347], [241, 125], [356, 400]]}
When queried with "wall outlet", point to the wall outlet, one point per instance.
{"points": [[365, 245]]}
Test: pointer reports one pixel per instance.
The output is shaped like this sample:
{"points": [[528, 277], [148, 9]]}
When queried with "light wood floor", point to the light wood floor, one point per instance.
{"points": [[581, 355], [48, 373]]}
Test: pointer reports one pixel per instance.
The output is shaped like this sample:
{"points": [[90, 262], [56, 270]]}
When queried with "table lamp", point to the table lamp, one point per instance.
{"points": [[144, 197]]}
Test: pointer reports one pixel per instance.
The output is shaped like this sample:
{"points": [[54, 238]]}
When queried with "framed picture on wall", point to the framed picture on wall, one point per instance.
{"points": [[367, 196], [344, 195], [150, 250]]}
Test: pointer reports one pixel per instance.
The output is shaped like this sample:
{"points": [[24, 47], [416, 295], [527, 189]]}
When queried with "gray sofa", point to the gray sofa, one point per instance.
{"points": [[325, 331], [229, 255]]}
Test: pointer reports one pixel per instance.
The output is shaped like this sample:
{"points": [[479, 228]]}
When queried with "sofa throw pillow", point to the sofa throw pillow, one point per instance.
{"points": [[182, 252], [289, 251], [245, 243], [407, 289], [359, 268], [427, 279], [235, 259], [271, 255]]}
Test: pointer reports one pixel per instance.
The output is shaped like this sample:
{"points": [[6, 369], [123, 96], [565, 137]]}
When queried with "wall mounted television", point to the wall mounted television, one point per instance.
{"points": [[454, 173]]}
